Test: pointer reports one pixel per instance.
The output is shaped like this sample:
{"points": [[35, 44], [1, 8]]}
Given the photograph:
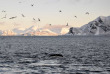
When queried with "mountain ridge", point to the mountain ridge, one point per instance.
{"points": [[99, 26]]}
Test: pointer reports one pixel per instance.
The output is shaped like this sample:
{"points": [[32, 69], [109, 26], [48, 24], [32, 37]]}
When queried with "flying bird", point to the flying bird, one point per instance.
{"points": [[32, 5], [4, 16], [87, 13], [22, 15], [13, 17], [67, 24], [3, 11], [75, 16], [34, 19], [60, 11], [38, 19]]}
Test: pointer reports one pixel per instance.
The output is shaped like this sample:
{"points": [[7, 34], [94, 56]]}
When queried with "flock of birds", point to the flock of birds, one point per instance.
{"points": [[87, 13]]}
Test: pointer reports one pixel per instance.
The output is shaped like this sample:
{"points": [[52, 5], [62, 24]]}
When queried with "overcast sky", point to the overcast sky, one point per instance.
{"points": [[48, 12]]}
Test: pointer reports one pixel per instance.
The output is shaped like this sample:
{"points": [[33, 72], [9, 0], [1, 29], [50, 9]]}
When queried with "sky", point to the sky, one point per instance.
{"points": [[48, 12]]}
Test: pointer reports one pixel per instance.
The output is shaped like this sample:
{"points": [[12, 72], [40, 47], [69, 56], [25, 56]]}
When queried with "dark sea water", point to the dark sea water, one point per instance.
{"points": [[55, 55]]}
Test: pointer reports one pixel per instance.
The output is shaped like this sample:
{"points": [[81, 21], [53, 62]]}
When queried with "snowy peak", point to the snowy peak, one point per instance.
{"points": [[99, 26], [32, 28], [41, 32], [19, 30], [31, 31], [8, 33], [64, 30], [59, 29]]}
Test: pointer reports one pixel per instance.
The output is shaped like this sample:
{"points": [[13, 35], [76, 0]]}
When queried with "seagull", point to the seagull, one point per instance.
{"points": [[13, 17], [34, 19], [87, 13], [4, 16], [67, 24], [22, 15], [32, 4], [75, 16], [60, 11], [3, 11], [38, 19]]}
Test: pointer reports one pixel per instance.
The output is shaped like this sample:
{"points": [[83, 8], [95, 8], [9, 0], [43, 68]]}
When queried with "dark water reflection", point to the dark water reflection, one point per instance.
{"points": [[31, 55]]}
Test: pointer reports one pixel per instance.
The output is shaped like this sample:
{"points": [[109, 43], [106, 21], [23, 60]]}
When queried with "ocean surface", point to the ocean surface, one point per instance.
{"points": [[55, 55]]}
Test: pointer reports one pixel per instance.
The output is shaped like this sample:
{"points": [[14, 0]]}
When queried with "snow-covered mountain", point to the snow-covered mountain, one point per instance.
{"points": [[8, 33], [64, 30], [99, 26], [19, 31], [31, 29], [59, 29], [41, 32], [74, 31]]}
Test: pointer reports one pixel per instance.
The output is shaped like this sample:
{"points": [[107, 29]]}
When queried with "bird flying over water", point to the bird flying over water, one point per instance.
{"points": [[67, 24], [22, 15], [38, 19], [34, 19], [60, 11], [3, 11], [13, 17], [32, 5], [75, 16]]}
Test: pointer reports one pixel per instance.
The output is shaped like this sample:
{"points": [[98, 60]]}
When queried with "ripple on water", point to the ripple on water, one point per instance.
{"points": [[54, 55], [46, 63]]}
